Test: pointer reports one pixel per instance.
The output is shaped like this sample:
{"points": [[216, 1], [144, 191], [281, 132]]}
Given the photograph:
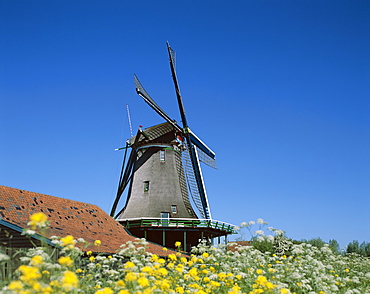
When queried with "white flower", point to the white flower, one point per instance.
{"points": [[260, 221], [243, 224], [4, 257], [28, 232], [259, 232], [278, 232], [251, 223], [260, 238], [56, 242], [270, 238]]}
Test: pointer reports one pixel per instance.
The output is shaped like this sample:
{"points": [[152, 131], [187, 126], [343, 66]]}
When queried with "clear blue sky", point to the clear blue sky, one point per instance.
{"points": [[280, 90]]}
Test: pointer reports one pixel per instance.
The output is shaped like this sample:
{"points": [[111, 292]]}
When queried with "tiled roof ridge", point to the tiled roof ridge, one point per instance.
{"points": [[42, 194]]}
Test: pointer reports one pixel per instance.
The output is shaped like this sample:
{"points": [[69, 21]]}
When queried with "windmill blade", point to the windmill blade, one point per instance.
{"points": [[143, 94], [206, 155], [124, 179], [193, 154], [190, 145], [191, 182], [199, 143], [171, 55], [207, 160], [126, 172]]}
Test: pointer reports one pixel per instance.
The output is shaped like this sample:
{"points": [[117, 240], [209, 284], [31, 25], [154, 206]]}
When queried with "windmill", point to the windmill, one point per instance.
{"points": [[162, 170]]}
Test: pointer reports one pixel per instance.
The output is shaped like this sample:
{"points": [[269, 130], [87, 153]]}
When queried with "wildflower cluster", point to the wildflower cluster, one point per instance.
{"points": [[243, 269]]}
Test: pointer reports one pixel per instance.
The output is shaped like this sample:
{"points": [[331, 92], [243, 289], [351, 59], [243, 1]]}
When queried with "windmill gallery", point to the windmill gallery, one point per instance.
{"points": [[166, 199]]}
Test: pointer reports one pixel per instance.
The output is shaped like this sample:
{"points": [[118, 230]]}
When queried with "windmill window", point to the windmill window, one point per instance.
{"points": [[165, 218], [162, 156], [174, 208], [146, 186]]}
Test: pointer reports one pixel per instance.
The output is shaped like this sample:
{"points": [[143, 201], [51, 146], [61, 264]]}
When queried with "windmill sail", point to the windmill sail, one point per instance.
{"points": [[143, 94], [189, 140], [206, 159], [192, 183]]}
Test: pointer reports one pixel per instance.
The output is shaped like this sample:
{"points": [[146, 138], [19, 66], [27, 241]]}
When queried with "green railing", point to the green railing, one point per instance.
{"points": [[177, 223]]}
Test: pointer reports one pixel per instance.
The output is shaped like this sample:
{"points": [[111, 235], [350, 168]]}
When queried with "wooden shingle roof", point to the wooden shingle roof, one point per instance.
{"points": [[66, 217]]}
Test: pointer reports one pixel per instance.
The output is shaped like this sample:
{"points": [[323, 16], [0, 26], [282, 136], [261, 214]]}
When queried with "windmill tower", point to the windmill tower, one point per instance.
{"points": [[161, 172]]}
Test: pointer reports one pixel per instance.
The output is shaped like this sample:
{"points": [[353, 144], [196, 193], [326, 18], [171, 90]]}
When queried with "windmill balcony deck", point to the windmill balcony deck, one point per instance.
{"points": [[177, 222], [166, 231]]}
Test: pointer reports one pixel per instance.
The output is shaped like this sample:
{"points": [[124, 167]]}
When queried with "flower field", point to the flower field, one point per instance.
{"points": [[244, 269]]}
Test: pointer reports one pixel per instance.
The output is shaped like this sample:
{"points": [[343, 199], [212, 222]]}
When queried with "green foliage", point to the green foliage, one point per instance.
{"points": [[317, 242], [362, 249], [334, 246]]}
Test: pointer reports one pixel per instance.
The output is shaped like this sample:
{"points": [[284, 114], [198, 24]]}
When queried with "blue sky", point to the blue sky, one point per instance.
{"points": [[280, 90]]}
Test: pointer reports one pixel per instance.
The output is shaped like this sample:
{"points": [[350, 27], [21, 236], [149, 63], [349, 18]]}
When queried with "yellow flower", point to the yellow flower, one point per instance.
{"points": [[65, 260], [105, 290], [15, 285], [172, 257], [205, 254], [147, 269], [68, 241], [54, 283], [161, 260], [143, 282], [177, 244], [164, 249], [129, 264], [36, 260], [193, 272], [180, 290], [29, 273], [261, 280], [269, 285], [97, 242], [215, 284], [88, 253], [130, 277], [162, 271], [259, 272], [120, 283], [36, 286], [38, 220], [69, 280], [154, 257], [47, 290], [163, 284]]}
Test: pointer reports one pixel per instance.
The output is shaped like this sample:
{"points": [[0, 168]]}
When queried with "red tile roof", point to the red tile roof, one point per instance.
{"points": [[68, 217]]}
